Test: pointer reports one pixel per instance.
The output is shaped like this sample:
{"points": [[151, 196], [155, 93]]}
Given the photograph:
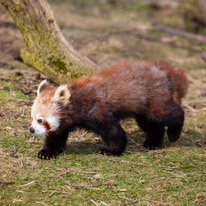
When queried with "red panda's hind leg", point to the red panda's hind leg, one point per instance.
{"points": [[175, 123], [173, 119]]}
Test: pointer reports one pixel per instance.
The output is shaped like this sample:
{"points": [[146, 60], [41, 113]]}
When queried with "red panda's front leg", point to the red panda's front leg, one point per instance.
{"points": [[53, 145]]}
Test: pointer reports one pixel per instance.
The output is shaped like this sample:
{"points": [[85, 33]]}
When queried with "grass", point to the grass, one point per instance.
{"points": [[173, 175]]}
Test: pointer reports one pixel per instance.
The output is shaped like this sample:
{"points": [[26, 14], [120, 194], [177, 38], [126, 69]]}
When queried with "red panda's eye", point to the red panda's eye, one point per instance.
{"points": [[39, 120]]}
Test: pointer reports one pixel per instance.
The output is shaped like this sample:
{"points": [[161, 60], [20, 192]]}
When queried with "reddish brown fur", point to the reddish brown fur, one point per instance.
{"points": [[116, 83], [46, 124], [151, 92], [178, 78]]}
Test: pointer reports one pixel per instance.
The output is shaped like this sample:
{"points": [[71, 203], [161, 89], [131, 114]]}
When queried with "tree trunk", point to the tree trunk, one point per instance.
{"points": [[46, 48]]}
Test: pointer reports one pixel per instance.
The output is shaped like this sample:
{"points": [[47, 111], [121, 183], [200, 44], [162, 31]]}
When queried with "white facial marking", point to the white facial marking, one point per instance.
{"points": [[38, 116], [53, 122], [39, 130], [33, 108]]}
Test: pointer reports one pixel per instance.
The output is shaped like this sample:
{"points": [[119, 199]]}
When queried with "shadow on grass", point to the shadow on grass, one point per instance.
{"points": [[135, 140], [84, 147]]}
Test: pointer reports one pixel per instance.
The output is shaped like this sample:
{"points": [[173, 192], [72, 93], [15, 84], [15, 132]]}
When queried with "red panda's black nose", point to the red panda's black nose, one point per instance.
{"points": [[31, 130]]}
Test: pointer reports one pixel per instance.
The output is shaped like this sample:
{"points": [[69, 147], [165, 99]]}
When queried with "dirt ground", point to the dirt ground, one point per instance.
{"points": [[107, 34]]}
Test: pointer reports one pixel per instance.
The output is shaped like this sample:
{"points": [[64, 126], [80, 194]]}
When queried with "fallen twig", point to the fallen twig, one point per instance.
{"points": [[192, 161], [128, 203], [52, 193], [181, 33], [3, 184], [104, 203], [12, 154], [18, 99], [204, 56], [200, 143], [91, 186], [5, 79], [41, 203], [68, 183], [30, 183], [158, 202], [90, 173], [94, 202], [137, 33], [193, 109]]}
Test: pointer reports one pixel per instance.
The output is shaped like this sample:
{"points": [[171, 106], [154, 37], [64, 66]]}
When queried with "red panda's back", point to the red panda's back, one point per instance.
{"points": [[135, 86], [178, 79]]}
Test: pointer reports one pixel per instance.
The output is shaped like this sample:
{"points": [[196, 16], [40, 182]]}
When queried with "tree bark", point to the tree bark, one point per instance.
{"points": [[46, 49]]}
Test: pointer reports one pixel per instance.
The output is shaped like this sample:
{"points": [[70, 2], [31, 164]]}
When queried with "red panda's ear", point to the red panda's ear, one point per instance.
{"points": [[42, 86], [62, 94]]}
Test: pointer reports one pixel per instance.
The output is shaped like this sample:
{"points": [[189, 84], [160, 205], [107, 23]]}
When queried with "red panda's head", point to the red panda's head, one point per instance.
{"points": [[45, 112]]}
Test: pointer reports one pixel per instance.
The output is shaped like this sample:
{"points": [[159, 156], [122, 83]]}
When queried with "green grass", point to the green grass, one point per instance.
{"points": [[174, 175], [9, 94]]}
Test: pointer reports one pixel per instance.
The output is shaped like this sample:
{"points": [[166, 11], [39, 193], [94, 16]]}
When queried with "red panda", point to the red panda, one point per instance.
{"points": [[150, 92]]}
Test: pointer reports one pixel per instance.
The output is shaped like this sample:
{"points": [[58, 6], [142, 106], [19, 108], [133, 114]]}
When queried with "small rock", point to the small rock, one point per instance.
{"points": [[14, 94], [2, 184], [6, 89], [27, 92], [123, 190], [12, 154], [38, 76], [97, 176], [199, 195], [25, 126], [204, 56], [8, 127], [3, 64], [18, 73]]}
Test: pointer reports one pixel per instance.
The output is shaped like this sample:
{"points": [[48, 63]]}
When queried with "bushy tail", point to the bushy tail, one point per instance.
{"points": [[178, 79]]}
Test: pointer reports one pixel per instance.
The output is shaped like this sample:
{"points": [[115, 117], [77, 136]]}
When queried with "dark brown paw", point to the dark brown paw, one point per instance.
{"points": [[109, 153], [173, 135], [151, 146], [173, 138], [46, 154]]}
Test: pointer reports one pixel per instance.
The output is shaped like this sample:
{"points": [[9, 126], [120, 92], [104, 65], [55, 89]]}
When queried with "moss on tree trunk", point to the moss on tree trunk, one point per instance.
{"points": [[46, 49]]}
